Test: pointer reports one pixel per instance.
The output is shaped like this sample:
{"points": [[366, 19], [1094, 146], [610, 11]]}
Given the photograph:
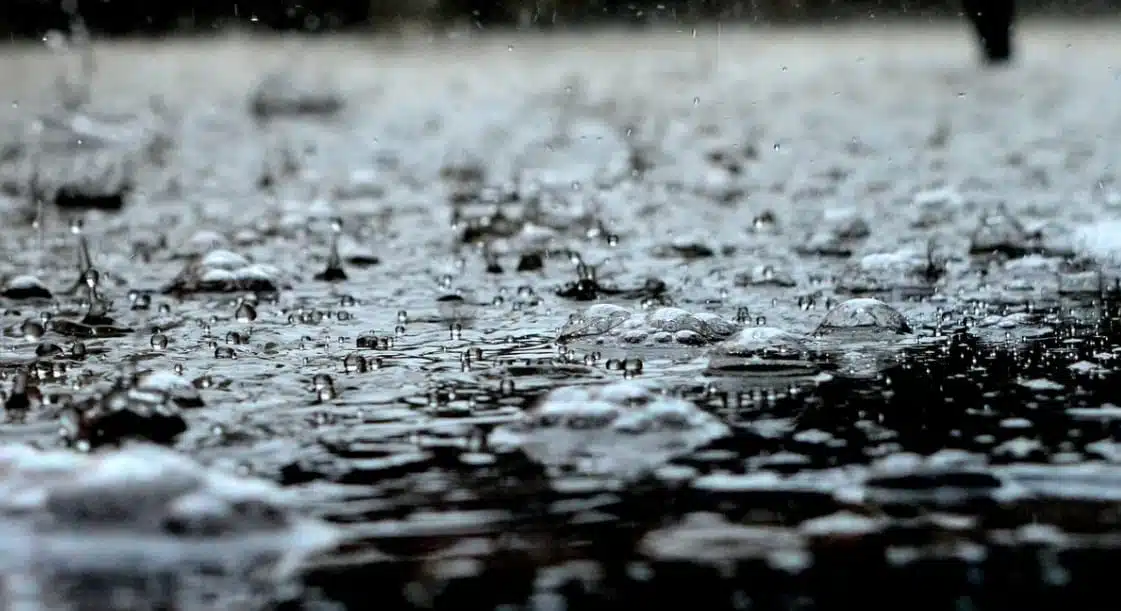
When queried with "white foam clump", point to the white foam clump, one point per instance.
{"points": [[622, 428], [143, 503]]}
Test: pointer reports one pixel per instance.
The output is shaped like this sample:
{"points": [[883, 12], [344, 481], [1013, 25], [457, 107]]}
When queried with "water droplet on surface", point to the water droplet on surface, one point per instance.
{"points": [[246, 313], [863, 315], [354, 363], [32, 330]]}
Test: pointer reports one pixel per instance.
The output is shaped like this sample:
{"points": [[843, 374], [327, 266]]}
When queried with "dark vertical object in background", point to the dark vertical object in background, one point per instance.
{"points": [[992, 20]]}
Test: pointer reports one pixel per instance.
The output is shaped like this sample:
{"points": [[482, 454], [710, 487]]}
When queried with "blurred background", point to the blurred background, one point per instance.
{"points": [[32, 18]]}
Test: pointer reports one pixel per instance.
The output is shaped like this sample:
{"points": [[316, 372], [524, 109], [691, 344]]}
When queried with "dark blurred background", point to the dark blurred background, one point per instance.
{"points": [[32, 18]]}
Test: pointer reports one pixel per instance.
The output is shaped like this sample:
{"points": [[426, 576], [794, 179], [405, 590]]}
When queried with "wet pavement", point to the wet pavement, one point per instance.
{"points": [[774, 319]]}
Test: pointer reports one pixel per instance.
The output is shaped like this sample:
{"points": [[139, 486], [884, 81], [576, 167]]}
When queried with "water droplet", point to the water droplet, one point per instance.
{"points": [[32, 330], [140, 301], [354, 363], [92, 278], [246, 313]]}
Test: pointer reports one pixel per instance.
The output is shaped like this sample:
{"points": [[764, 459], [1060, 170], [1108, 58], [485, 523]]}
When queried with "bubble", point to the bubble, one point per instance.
{"points": [[92, 278], [355, 363], [321, 381], [622, 429], [141, 301]]}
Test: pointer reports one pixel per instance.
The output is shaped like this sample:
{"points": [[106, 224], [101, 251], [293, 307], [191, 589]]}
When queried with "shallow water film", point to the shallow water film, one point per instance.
{"points": [[784, 319]]}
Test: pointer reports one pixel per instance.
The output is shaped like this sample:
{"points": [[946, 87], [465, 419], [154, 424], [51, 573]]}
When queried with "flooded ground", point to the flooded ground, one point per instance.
{"points": [[769, 319]]}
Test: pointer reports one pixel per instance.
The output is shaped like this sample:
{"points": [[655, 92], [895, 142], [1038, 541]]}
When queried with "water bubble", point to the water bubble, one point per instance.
{"points": [[863, 314], [334, 271], [158, 341], [354, 363], [92, 278], [32, 330], [25, 287], [140, 301], [622, 428], [321, 381]]}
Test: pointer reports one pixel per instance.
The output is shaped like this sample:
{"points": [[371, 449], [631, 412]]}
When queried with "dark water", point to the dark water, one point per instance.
{"points": [[756, 320]]}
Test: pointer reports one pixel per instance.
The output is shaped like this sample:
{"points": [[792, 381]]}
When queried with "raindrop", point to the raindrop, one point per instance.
{"points": [[32, 330], [334, 271], [140, 301], [354, 363], [246, 313]]}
